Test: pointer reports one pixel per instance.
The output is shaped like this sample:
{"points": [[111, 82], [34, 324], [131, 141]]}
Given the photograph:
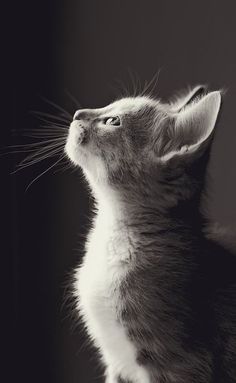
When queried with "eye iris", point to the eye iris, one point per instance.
{"points": [[113, 121]]}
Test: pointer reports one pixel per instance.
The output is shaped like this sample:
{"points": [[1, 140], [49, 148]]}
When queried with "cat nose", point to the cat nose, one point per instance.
{"points": [[81, 114]]}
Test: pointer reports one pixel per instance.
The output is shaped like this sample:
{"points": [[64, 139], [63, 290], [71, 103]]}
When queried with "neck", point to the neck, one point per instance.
{"points": [[156, 211]]}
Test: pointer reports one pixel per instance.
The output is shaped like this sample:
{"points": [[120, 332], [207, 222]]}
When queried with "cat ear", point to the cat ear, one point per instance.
{"points": [[185, 97], [192, 126]]}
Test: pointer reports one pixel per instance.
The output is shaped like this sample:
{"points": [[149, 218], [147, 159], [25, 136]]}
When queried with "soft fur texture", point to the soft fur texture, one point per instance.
{"points": [[158, 297]]}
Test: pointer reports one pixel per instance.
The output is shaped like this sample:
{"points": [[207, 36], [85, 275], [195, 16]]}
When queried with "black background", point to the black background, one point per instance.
{"points": [[85, 46]]}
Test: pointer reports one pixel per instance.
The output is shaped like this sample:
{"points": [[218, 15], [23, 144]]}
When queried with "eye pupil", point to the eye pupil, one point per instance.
{"points": [[115, 121]]}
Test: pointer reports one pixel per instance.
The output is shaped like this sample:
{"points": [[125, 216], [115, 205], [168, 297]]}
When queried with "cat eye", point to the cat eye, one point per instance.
{"points": [[115, 121]]}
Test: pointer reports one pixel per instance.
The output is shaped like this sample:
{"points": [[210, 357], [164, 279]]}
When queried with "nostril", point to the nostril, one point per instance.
{"points": [[80, 115]]}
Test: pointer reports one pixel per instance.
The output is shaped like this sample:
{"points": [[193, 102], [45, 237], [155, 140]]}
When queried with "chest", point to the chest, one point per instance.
{"points": [[107, 261]]}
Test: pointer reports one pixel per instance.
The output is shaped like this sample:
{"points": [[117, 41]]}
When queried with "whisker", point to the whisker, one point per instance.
{"points": [[35, 161], [44, 130], [65, 166], [147, 84], [135, 82], [54, 128], [28, 148], [17, 151], [58, 107], [51, 116], [41, 151], [116, 89], [50, 139], [49, 128], [44, 172], [156, 81], [52, 123], [37, 157], [41, 135], [139, 84], [56, 124], [153, 82], [76, 102], [39, 143], [123, 89]]}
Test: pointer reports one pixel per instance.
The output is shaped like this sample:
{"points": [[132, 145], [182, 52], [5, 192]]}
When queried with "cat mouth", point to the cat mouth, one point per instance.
{"points": [[82, 137]]}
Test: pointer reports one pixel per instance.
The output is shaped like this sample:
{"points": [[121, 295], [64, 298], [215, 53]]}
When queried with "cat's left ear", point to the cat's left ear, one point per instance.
{"points": [[186, 96], [192, 126]]}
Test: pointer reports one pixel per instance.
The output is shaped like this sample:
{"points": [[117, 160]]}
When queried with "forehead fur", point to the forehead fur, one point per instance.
{"points": [[129, 104]]}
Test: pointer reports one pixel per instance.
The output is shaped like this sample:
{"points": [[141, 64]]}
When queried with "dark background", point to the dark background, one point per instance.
{"points": [[85, 46]]}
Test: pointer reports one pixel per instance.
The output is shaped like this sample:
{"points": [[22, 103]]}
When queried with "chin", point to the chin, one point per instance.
{"points": [[91, 165], [75, 152], [73, 148]]}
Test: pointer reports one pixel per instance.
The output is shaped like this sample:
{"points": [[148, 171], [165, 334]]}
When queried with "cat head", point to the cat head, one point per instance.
{"points": [[138, 137]]}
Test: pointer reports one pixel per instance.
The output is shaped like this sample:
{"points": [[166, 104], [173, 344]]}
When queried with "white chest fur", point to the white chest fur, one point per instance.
{"points": [[108, 259]]}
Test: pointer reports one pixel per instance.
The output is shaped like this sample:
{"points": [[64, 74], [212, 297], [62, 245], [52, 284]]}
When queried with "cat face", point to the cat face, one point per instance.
{"points": [[109, 140], [133, 136]]}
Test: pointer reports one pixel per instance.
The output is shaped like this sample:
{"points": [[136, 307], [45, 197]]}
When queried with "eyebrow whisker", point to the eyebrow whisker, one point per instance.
{"points": [[152, 83]]}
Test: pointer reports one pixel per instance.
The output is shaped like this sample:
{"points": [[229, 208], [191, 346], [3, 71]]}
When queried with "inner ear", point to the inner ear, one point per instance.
{"points": [[187, 96], [192, 126], [197, 92]]}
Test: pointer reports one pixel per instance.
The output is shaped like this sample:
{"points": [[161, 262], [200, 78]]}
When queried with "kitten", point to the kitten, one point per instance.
{"points": [[158, 298]]}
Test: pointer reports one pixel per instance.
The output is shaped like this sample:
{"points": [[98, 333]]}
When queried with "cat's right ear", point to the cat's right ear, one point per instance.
{"points": [[185, 97]]}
